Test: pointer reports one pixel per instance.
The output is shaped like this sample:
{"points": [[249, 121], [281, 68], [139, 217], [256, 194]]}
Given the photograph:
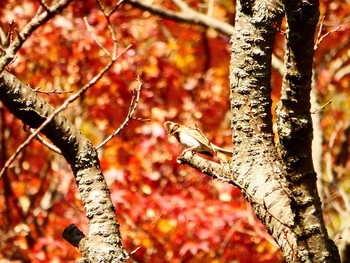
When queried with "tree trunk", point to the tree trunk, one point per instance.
{"points": [[277, 179], [103, 241], [282, 189]]}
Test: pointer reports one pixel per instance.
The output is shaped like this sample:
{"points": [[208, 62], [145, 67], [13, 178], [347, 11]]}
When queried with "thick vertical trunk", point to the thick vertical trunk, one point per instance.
{"points": [[282, 190]]}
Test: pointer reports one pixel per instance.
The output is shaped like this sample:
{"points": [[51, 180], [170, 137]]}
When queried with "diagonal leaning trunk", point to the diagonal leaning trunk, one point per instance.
{"points": [[103, 240]]}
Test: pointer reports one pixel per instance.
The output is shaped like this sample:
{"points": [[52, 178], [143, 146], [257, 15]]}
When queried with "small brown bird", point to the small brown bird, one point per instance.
{"points": [[192, 139]]}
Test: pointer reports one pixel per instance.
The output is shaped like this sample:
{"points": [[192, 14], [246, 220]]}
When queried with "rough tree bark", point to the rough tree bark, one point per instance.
{"points": [[103, 243], [277, 180]]}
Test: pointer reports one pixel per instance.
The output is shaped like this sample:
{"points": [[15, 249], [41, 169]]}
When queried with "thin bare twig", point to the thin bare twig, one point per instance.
{"points": [[38, 20], [192, 16], [132, 108], [95, 38], [48, 92], [46, 143], [320, 29], [44, 6], [115, 7], [72, 98], [187, 15], [321, 38], [6, 38], [322, 107], [210, 8], [183, 6], [329, 166]]}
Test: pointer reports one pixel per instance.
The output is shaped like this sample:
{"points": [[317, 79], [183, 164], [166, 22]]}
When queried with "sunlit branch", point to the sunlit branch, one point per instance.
{"points": [[5, 38], [95, 38], [320, 37], [191, 16], [46, 143], [322, 107], [213, 169], [132, 108], [55, 91], [223, 173], [187, 15], [44, 6], [111, 11], [38, 20], [72, 98]]}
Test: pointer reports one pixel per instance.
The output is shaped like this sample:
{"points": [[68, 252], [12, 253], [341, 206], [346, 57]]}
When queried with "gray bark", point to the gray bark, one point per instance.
{"points": [[278, 180], [103, 242]]}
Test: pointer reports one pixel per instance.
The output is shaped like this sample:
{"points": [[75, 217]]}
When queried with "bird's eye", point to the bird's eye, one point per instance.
{"points": [[174, 128]]}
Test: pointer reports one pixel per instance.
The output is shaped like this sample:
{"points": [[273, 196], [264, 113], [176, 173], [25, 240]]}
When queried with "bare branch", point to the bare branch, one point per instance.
{"points": [[187, 15], [183, 6], [48, 92], [321, 38], [95, 38], [44, 6], [191, 16], [4, 41], [213, 169], [46, 143], [132, 108], [68, 101], [322, 107], [38, 20], [115, 7]]}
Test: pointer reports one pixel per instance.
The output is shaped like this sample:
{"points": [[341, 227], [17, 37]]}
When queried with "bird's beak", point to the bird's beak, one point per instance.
{"points": [[167, 127]]}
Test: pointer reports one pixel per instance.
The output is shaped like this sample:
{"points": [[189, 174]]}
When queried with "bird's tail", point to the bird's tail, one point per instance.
{"points": [[218, 149]]}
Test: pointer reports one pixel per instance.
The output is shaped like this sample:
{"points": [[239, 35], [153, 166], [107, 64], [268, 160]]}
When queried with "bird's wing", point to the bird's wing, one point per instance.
{"points": [[198, 136], [204, 140]]}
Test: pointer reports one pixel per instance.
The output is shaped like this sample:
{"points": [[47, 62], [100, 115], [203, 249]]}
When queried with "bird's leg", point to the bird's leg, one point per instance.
{"points": [[189, 150]]}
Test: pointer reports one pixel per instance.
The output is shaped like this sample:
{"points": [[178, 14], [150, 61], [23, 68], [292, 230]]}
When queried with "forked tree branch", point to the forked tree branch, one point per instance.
{"points": [[38, 20], [132, 108], [113, 58], [80, 154], [190, 16]]}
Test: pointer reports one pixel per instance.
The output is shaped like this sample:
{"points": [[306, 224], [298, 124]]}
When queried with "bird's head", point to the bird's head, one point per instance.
{"points": [[171, 127]]}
